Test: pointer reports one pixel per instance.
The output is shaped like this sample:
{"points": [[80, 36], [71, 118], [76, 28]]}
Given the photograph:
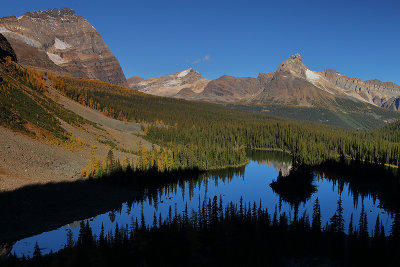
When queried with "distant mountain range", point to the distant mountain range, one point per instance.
{"points": [[59, 41], [292, 83]]}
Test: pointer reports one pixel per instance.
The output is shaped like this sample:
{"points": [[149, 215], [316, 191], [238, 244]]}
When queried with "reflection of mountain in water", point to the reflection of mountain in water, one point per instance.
{"points": [[74, 224], [5, 249], [281, 167], [280, 160]]}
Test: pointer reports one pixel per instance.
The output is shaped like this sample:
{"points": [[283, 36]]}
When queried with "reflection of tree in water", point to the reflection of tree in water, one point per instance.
{"points": [[229, 235], [364, 181], [189, 183], [295, 188], [269, 155]]}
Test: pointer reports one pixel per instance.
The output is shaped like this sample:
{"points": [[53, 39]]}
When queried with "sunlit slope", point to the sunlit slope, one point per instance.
{"points": [[341, 112], [27, 107]]}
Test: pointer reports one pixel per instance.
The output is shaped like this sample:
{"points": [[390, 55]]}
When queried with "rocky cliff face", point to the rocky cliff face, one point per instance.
{"points": [[381, 94], [183, 84], [62, 42], [230, 89], [292, 83]]}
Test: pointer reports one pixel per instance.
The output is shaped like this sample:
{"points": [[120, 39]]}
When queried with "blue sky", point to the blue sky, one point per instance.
{"points": [[242, 38]]}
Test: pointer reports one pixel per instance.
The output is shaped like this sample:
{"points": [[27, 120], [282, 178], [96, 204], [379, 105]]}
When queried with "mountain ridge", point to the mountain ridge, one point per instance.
{"points": [[292, 83], [62, 42]]}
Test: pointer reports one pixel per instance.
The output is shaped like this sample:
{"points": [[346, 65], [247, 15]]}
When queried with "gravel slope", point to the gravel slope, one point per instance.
{"points": [[25, 161]]}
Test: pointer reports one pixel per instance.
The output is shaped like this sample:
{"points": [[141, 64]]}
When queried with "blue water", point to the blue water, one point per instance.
{"points": [[252, 185]]}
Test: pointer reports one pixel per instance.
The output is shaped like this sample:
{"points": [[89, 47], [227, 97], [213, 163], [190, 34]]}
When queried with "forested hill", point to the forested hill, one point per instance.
{"points": [[207, 135]]}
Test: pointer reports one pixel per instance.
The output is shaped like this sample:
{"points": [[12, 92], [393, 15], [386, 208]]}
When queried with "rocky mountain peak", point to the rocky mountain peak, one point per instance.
{"points": [[188, 72], [54, 13], [293, 65], [331, 71], [189, 80], [59, 41], [295, 57]]}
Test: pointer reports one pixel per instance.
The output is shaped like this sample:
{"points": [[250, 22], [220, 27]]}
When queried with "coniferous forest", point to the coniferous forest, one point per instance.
{"points": [[215, 234], [210, 136]]}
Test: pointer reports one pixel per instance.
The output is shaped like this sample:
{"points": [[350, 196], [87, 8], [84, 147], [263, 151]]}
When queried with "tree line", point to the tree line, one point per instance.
{"points": [[232, 234]]}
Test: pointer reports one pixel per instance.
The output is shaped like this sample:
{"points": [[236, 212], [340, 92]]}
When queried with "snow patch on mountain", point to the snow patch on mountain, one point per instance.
{"points": [[60, 45], [56, 59], [312, 76], [172, 83], [183, 73], [3, 30]]}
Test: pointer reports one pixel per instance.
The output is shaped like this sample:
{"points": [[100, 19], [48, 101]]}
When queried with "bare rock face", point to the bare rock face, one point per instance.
{"points": [[134, 80], [292, 83], [6, 49], [381, 94], [230, 89], [171, 85], [265, 78], [62, 42]]}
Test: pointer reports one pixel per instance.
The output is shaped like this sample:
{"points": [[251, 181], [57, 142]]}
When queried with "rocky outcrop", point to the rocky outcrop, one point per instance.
{"points": [[381, 94], [265, 78], [134, 80], [230, 89], [62, 42], [171, 85], [6, 49], [292, 83]]}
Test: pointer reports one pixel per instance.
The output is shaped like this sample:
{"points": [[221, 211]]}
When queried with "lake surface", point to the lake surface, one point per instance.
{"points": [[251, 183]]}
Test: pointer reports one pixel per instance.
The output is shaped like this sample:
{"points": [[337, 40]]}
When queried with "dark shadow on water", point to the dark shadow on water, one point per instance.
{"points": [[38, 208]]}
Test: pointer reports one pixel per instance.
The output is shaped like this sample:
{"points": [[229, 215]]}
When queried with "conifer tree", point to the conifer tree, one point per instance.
{"points": [[316, 217], [37, 253]]}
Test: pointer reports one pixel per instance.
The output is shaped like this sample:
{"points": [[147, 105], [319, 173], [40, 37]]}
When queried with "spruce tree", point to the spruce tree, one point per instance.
{"points": [[316, 217], [37, 253]]}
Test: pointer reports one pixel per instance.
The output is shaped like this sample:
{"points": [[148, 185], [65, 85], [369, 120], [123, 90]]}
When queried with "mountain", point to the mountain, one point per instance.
{"points": [[230, 89], [190, 85], [381, 94], [61, 42], [293, 83], [190, 81]]}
